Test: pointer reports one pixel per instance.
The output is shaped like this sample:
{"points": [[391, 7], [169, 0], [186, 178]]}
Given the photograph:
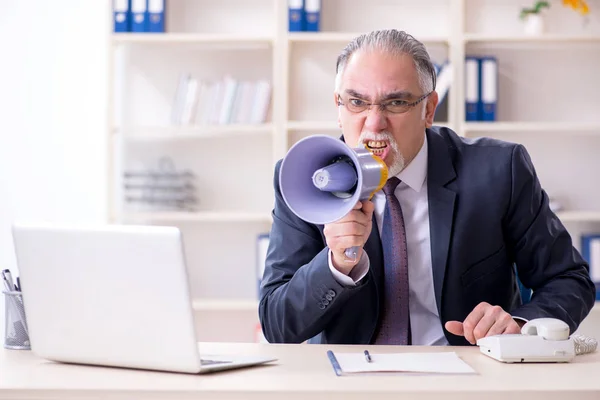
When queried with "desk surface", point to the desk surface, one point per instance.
{"points": [[302, 372]]}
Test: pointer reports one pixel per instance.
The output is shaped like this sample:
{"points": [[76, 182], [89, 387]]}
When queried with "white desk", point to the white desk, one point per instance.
{"points": [[302, 372]]}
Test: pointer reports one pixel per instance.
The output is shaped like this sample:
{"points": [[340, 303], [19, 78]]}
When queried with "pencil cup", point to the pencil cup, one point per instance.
{"points": [[16, 333]]}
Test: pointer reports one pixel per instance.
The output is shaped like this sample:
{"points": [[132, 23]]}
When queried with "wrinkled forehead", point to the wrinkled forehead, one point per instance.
{"points": [[376, 74]]}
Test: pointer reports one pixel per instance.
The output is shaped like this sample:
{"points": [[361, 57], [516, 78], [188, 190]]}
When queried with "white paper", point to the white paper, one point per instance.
{"points": [[439, 362]]}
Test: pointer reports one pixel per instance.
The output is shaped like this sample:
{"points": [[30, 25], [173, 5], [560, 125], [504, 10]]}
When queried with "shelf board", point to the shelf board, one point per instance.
{"points": [[235, 40], [224, 305], [346, 37], [547, 38], [579, 216], [313, 126], [182, 216], [193, 131], [568, 127]]}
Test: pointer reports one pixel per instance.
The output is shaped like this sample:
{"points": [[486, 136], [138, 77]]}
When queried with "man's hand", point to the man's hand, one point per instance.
{"points": [[352, 230], [484, 320]]}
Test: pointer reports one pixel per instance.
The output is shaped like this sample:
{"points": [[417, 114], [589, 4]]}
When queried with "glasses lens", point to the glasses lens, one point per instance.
{"points": [[356, 106], [397, 107]]}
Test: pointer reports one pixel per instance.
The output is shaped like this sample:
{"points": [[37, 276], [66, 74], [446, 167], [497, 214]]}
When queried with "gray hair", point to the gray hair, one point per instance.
{"points": [[394, 42]]}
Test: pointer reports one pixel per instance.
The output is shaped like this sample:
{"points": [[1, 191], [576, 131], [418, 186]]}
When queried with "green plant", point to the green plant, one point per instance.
{"points": [[536, 9]]}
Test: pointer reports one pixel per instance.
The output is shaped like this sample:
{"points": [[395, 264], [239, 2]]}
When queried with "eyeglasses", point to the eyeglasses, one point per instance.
{"points": [[393, 106]]}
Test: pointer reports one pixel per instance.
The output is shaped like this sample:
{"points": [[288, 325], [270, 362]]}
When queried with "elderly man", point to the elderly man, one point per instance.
{"points": [[439, 244]]}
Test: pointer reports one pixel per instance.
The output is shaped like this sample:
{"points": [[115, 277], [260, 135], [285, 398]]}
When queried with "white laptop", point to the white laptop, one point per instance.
{"points": [[113, 295]]}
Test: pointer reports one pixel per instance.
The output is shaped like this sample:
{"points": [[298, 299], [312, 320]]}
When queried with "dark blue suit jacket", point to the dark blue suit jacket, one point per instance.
{"points": [[487, 213]]}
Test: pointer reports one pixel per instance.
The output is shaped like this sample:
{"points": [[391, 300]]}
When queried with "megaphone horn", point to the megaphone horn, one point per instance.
{"points": [[322, 178]]}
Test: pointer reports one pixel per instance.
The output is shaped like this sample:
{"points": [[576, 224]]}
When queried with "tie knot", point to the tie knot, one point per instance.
{"points": [[390, 186]]}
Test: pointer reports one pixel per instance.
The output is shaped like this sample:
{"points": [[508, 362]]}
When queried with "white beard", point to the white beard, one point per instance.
{"points": [[398, 161]]}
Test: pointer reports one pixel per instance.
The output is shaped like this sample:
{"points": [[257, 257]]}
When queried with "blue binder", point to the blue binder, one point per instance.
{"points": [[295, 15], [139, 22], [472, 89], [312, 15], [489, 88], [590, 250], [121, 15], [156, 16]]}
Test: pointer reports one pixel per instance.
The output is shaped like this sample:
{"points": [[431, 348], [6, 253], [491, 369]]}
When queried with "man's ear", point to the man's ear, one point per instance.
{"points": [[432, 102], [335, 100]]}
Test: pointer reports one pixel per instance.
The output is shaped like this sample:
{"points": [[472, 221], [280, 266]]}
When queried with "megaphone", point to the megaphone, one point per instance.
{"points": [[322, 178]]}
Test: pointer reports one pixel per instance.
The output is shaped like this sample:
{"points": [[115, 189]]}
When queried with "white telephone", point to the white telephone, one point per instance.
{"points": [[541, 340]]}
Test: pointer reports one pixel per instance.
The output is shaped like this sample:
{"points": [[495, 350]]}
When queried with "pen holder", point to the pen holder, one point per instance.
{"points": [[16, 333]]}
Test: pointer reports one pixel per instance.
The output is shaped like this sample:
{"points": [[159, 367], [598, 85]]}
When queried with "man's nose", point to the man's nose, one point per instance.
{"points": [[376, 119]]}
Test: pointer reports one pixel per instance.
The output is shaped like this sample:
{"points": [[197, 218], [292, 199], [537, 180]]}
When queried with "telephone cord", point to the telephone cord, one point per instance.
{"points": [[584, 344]]}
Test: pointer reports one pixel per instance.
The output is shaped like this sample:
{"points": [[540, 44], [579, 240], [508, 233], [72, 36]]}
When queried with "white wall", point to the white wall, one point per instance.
{"points": [[53, 74]]}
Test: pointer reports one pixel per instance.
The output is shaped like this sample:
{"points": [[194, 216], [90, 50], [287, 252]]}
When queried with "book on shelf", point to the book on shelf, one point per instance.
{"points": [[220, 102]]}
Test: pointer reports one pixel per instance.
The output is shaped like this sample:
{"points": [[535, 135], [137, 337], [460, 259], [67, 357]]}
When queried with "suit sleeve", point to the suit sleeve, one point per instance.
{"points": [[299, 295], [545, 257]]}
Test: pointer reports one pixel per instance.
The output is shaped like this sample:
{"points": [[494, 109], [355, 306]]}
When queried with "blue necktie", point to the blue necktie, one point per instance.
{"points": [[395, 321]]}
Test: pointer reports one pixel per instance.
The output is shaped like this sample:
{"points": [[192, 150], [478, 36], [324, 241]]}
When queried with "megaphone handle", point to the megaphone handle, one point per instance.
{"points": [[351, 253]]}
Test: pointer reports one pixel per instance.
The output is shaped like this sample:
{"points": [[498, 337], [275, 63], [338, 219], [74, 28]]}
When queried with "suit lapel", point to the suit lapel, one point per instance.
{"points": [[440, 171]]}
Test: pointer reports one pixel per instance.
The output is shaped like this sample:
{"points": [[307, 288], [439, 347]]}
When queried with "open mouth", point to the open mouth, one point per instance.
{"points": [[377, 147]]}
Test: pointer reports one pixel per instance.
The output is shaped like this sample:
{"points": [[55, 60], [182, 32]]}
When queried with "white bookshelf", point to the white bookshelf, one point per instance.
{"points": [[207, 216], [552, 111], [541, 39], [199, 132], [190, 38], [568, 128]]}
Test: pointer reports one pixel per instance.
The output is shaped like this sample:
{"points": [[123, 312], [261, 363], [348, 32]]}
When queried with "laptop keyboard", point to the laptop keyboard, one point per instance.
{"points": [[204, 361]]}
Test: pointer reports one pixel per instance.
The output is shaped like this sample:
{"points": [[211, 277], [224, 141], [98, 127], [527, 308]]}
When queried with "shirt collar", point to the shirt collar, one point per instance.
{"points": [[415, 172]]}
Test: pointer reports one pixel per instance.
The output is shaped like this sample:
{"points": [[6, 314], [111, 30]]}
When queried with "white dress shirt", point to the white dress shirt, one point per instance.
{"points": [[426, 327]]}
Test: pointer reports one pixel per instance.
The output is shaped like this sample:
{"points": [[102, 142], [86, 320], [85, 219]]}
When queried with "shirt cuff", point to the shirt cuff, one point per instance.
{"points": [[519, 319], [356, 275]]}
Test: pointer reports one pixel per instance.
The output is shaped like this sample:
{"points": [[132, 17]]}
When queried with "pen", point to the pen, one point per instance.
{"points": [[7, 280], [334, 363], [368, 356]]}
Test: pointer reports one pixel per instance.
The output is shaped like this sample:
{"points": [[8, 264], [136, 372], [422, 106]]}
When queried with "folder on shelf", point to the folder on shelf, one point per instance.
{"points": [[262, 246], [295, 15], [138, 16], [590, 250], [121, 15], [156, 16], [312, 15], [489, 88], [472, 89]]}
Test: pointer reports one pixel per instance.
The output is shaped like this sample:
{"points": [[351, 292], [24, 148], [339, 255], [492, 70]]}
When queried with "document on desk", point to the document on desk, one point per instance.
{"points": [[434, 363]]}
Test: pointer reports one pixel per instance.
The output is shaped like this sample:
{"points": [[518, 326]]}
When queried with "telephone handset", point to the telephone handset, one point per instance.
{"points": [[541, 340]]}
